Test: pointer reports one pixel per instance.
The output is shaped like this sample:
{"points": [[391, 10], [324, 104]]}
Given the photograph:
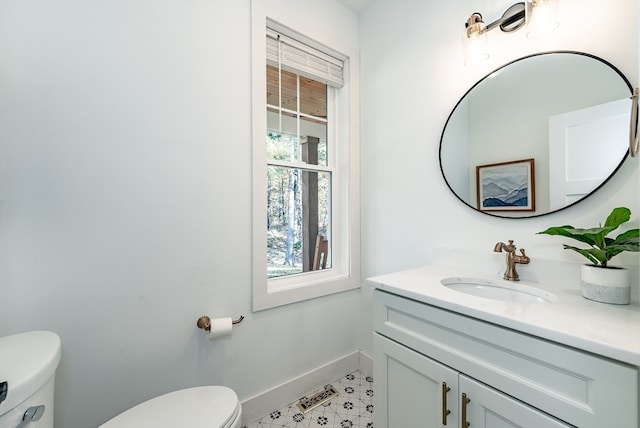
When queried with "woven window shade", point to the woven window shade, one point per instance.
{"points": [[299, 58]]}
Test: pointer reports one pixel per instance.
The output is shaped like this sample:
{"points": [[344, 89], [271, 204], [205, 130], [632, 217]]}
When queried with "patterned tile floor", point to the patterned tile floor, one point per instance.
{"points": [[352, 408]]}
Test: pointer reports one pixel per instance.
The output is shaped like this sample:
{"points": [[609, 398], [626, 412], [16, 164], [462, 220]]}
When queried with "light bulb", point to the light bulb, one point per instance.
{"points": [[542, 17]]}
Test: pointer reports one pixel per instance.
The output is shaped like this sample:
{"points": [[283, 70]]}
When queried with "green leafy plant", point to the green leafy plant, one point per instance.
{"points": [[602, 248]]}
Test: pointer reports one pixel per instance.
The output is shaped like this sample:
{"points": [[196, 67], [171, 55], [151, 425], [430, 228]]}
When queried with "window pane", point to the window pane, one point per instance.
{"points": [[282, 147], [315, 132], [285, 121], [313, 97], [273, 83], [289, 92], [298, 210]]}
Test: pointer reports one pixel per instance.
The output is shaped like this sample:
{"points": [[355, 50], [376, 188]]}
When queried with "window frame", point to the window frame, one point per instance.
{"points": [[345, 272]]}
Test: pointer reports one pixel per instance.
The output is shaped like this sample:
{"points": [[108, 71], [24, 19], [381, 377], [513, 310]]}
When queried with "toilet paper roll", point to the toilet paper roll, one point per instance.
{"points": [[220, 327]]}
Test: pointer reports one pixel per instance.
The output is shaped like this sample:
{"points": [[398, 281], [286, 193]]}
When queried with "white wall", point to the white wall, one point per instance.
{"points": [[125, 197], [412, 76]]}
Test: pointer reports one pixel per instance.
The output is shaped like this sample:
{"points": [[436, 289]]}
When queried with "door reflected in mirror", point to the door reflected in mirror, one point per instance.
{"points": [[569, 111]]}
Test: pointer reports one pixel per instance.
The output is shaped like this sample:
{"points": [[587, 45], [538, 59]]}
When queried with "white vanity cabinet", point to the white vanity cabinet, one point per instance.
{"points": [[426, 358], [416, 391], [411, 389]]}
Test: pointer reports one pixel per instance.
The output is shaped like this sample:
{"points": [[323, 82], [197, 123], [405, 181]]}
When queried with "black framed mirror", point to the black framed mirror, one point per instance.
{"points": [[537, 135]]}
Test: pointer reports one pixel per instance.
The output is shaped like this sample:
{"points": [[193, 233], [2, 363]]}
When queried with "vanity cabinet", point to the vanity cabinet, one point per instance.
{"points": [[416, 391], [437, 368]]}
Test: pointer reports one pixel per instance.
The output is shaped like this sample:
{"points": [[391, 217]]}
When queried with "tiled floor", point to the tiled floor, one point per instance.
{"points": [[352, 408]]}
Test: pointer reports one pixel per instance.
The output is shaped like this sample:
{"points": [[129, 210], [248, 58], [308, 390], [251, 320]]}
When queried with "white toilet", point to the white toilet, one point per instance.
{"points": [[199, 407], [28, 363]]}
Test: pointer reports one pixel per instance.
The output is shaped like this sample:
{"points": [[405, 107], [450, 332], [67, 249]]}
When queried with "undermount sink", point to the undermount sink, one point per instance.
{"points": [[499, 290]]}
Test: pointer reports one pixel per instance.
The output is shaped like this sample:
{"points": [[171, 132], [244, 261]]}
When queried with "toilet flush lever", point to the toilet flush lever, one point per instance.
{"points": [[31, 415], [4, 390]]}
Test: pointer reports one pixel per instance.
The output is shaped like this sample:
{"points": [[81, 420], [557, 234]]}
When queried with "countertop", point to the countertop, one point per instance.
{"points": [[612, 331]]}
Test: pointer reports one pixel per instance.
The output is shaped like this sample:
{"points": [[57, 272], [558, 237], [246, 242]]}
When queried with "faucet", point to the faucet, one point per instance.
{"points": [[510, 274]]}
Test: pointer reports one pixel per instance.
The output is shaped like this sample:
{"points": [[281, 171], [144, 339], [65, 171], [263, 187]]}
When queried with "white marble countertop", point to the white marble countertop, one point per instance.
{"points": [[612, 331]]}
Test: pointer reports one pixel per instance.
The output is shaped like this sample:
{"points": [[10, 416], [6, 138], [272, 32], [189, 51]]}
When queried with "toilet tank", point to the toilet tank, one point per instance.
{"points": [[28, 363]]}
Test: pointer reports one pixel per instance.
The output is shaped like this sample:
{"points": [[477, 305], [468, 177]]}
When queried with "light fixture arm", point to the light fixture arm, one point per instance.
{"points": [[511, 20]]}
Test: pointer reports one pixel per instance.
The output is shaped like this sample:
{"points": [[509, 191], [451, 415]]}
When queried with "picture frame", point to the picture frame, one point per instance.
{"points": [[506, 186]]}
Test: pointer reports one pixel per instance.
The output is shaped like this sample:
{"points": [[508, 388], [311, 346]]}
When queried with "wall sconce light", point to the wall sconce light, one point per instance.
{"points": [[475, 45], [541, 15]]}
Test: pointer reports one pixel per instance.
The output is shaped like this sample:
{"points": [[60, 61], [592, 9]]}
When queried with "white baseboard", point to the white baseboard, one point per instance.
{"points": [[296, 388]]}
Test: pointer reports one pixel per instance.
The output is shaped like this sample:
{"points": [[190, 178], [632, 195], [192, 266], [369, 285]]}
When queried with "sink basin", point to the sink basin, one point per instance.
{"points": [[499, 290]]}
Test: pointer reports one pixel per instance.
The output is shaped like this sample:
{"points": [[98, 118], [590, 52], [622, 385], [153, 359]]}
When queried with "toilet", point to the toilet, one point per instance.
{"points": [[28, 362], [198, 407]]}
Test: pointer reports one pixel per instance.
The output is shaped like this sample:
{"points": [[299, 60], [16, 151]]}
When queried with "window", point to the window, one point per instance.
{"points": [[299, 165], [306, 210]]}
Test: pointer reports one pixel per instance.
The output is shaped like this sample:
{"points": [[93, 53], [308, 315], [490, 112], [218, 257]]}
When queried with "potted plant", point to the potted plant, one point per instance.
{"points": [[601, 282]]}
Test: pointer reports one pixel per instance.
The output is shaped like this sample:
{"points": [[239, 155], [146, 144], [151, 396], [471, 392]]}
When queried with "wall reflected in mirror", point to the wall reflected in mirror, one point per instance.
{"points": [[569, 111]]}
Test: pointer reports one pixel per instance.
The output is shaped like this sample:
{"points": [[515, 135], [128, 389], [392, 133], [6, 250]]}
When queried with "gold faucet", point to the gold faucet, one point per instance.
{"points": [[511, 274]]}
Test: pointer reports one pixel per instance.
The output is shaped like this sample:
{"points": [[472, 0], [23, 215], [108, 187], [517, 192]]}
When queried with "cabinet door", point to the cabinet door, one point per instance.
{"points": [[489, 408], [412, 391]]}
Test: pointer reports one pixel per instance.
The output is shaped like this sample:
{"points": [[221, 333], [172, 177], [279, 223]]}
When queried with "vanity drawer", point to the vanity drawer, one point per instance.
{"points": [[575, 386]]}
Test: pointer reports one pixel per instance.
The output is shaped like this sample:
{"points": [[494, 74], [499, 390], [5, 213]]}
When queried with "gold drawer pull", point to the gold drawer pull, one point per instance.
{"points": [[445, 411], [465, 400]]}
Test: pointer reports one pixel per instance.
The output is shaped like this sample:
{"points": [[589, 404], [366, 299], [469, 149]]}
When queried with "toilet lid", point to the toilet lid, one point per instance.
{"points": [[200, 407]]}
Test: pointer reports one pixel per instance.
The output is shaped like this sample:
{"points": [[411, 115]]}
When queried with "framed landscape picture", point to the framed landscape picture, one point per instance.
{"points": [[506, 186]]}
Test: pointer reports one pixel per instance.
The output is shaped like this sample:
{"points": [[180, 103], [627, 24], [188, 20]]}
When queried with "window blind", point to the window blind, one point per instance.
{"points": [[297, 57]]}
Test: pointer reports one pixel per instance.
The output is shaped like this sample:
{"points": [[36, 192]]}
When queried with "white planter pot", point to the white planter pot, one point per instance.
{"points": [[606, 285]]}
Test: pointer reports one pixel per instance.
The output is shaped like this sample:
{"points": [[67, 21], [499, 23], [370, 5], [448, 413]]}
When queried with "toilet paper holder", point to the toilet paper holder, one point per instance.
{"points": [[204, 322]]}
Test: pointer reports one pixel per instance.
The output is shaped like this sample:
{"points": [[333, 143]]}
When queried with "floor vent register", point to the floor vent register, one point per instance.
{"points": [[307, 404]]}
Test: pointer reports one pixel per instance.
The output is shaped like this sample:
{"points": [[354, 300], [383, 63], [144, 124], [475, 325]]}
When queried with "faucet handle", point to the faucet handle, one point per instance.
{"points": [[523, 259]]}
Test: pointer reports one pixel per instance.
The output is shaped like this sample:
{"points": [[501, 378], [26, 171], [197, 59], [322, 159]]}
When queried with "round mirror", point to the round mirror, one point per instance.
{"points": [[537, 135]]}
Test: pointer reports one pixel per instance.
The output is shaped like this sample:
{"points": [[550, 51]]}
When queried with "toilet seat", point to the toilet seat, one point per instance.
{"points": [[200, 407]]}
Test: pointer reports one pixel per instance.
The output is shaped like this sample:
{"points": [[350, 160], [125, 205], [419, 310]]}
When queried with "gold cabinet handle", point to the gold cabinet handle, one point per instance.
{"points": [[465, 401], [445, 411]]}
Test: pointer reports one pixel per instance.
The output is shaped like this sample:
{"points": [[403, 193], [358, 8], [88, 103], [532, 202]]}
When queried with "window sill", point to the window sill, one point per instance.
{"points": [[283, 291]]}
